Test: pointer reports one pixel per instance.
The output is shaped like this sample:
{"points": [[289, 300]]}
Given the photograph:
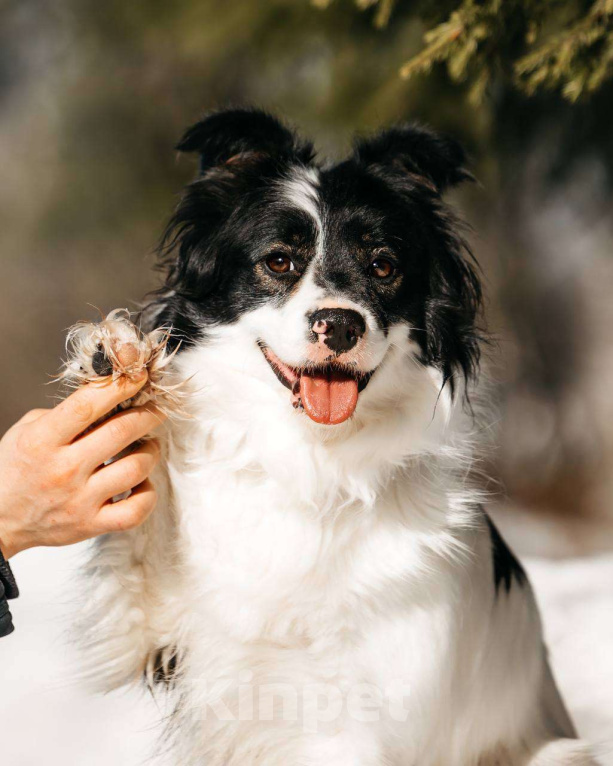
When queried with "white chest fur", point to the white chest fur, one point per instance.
{"points": [[327, 615]]}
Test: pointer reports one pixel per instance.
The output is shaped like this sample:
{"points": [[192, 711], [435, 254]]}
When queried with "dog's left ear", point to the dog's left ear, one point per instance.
{"points": [[419, 151], [231, 137]]}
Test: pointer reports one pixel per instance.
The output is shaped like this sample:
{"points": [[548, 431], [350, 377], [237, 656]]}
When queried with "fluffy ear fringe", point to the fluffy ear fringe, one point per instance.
{"points": [[228, 136], [438, 159]]}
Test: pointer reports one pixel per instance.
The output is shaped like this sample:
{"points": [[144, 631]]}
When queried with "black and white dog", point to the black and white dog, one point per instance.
{"points": [[319, 586]]}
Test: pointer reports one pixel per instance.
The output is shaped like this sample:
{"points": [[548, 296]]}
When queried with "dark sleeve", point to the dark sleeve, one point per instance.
{"points": [[8, 589]]}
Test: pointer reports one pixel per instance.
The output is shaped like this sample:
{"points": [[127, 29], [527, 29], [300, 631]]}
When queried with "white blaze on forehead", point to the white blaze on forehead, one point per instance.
{"points": [[301, 189]]}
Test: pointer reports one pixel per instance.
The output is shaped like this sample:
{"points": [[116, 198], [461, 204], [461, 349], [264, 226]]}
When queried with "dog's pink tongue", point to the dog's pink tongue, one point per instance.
{"points": [[328, 398]]}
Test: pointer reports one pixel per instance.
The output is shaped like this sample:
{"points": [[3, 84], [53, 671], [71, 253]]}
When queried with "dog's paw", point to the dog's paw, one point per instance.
{"points": [[116, 347]]}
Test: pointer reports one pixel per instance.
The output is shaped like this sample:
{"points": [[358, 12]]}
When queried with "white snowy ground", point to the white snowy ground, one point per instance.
{"points": [[46, 719]]}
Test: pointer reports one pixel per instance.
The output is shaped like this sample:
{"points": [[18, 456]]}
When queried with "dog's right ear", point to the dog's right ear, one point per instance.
{"points": [[233, 137]]}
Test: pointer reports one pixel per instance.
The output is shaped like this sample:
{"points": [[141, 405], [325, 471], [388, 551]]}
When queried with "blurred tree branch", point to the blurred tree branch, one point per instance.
{"points": [[555, 45]]}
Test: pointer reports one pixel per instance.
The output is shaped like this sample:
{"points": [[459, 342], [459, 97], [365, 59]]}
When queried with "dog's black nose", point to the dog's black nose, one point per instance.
{"points": [[339, 329]]}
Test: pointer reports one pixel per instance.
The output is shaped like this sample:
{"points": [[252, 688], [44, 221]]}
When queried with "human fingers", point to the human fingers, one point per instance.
{"points": [[126, 514], [31, 416], [124, 474], [85, 406], [116, 434]]}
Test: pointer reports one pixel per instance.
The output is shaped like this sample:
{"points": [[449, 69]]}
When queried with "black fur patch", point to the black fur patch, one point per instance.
{"points": [[439, 160], [164, 675], [506, 566], [101, 364]]}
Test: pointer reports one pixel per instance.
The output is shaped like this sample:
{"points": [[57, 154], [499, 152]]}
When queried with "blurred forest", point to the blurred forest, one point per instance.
{"points": [[93, 97]]}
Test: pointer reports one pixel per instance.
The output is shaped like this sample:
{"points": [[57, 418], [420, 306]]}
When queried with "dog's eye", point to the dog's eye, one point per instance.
{"points": [[381, 268], [279, 263]]}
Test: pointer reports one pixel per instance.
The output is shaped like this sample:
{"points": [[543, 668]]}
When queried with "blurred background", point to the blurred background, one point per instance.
{"points": [[93, 97]]}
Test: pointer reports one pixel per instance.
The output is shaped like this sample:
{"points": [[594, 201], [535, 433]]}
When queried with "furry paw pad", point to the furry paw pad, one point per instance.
{"points": [[116, 347]]}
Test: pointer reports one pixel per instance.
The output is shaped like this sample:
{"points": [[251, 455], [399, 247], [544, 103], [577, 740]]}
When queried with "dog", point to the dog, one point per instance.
{"points": [[320, 584]]}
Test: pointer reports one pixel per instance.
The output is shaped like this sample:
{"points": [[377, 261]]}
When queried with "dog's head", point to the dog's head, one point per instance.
{"points": [[325, 269]]}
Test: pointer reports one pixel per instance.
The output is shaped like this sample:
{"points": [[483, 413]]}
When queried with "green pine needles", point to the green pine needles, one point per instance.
{"points": [[558, 45]]}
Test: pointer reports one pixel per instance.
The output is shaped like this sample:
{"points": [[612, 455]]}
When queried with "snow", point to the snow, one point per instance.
{"points": [[43, 714], [576, 601], [46, 716]]}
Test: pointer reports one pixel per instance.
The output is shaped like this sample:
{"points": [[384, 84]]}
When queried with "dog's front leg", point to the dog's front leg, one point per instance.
{"points": [[127, 620]]}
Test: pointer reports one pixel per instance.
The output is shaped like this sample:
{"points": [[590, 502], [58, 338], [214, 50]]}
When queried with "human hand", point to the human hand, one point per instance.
{"points": [[54, 486]]}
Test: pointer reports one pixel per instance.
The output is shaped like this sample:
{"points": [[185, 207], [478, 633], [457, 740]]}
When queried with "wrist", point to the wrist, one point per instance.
{"points": [[7, 538], [7, 546]]}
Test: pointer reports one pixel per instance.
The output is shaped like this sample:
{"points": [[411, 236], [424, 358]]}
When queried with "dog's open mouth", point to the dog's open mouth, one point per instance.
{"points": [[328, 393]]}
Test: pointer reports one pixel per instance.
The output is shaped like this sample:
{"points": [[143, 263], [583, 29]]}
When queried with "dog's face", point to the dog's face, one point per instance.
{"points": [[324, 269]]}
